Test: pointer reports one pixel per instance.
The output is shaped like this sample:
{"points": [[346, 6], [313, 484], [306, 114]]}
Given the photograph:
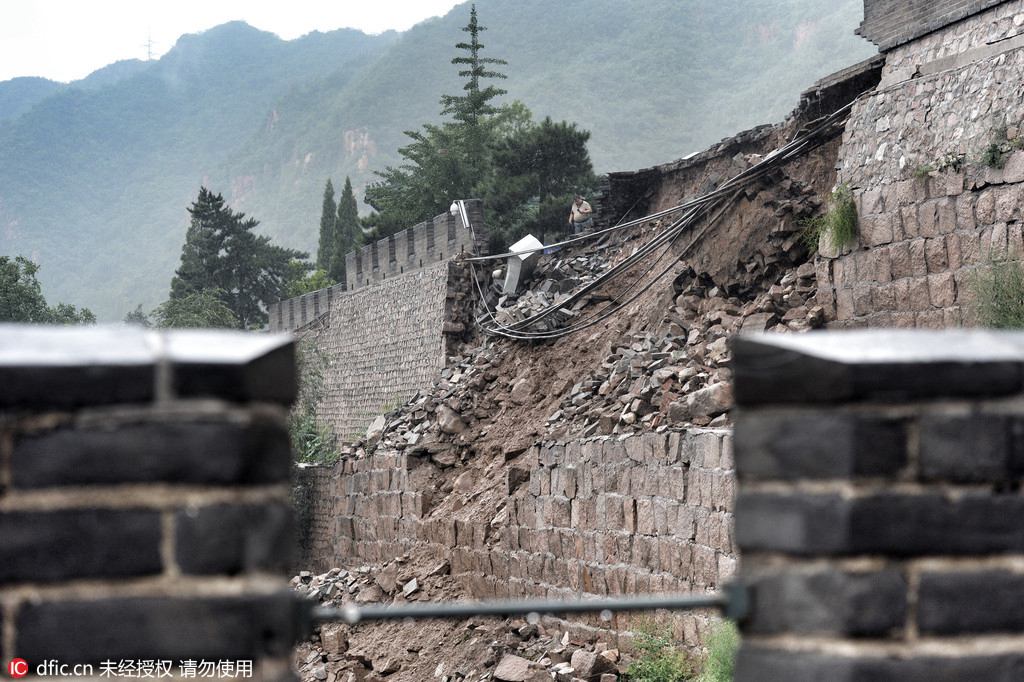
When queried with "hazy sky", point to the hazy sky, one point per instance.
{"points": [[67, 39]]}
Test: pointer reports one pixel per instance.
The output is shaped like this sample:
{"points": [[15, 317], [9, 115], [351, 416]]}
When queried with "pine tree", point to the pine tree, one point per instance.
{"points": [[473, 111], [346, 231], [447, 161], [325, 249], [204, 241], [222, 254]]}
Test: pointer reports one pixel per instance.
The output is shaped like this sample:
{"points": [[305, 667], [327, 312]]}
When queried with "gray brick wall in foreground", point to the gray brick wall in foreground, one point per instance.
{"points": [[144, 510], [879, 511]]}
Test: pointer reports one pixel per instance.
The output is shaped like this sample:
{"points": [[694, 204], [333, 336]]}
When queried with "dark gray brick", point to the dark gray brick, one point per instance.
{"points": [[79, 543], [775, 444], [971, 602], [804, 524], [828, 602], [894, 524], [971, 449], [235, 539], [212, 453], [232, 366], [761, 664], [910, 525], [213, 628]]}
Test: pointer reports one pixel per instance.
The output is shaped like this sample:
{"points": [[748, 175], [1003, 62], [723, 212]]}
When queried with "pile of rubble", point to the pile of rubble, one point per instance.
{"points": [[509, 650], [395, 580], [677, 375], [680, 375], [553, 281]]}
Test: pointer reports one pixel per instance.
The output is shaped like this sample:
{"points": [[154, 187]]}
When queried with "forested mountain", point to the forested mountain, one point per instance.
{"points": [[95, 176]]}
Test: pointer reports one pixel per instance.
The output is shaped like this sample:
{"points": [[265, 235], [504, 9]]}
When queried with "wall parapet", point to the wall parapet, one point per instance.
{"points": [[877, 512], [443, 237], [421, 246], [890, 23]]}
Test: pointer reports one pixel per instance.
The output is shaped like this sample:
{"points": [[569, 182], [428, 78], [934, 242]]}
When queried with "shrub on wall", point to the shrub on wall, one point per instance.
{"points": [[998, 290], [659, 660], [312, 441], [838, 224]]}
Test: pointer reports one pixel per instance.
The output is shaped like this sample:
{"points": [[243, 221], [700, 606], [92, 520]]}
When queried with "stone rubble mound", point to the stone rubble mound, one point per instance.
{"points": [[677, 375], [511, 650], [680, 374], [553, 281]]}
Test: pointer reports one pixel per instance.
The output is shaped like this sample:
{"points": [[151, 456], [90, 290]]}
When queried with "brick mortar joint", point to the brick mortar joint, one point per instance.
{"points": [[147, 497], [182, 586], [756, 564], [942, 647], [863, 488]]}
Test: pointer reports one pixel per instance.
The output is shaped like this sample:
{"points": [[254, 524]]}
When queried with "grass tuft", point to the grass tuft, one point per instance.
{"points": [[999, 294], [659, 660], [721, 660], [839, 224]]}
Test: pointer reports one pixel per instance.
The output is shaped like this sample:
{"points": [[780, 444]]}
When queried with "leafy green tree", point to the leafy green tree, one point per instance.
{"points": [[22, 300], [537, 170], [21, 295], [525, 172], [203, 308], [328, 219], [302, 283], [65, 313], [347, 231], [223, 254]]}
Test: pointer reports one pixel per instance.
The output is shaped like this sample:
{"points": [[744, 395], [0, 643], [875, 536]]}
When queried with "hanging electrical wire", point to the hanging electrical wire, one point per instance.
{"points": [[694, 211]]}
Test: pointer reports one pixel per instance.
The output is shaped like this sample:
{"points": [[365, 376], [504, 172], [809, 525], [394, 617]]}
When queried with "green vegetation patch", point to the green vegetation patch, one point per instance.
{"points": [[838, 224], [998, 290]]}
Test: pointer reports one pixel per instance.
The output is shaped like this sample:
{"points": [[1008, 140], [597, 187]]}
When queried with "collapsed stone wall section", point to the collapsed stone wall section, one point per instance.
{"points": [[607, 516]]}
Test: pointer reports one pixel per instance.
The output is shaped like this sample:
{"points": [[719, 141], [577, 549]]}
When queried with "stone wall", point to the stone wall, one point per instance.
{"points": [[879, 505], [888, 23], [384, 342], [648, 513], [926, 222], [420, 246], [144, 508], [443, 237]]}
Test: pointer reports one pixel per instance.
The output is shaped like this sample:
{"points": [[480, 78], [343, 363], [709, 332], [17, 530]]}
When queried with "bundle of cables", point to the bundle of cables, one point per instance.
{"points": [[707, 208]]}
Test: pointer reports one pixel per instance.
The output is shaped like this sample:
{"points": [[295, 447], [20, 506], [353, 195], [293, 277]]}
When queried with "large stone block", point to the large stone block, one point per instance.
{"points": [[968, 602], [184, 628]]}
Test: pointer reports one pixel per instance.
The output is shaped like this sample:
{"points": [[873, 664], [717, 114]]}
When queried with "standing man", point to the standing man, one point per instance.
{"points": [[581, 215]]}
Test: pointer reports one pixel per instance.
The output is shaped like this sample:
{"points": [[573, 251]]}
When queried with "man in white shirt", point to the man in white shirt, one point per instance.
{"points": [[581, 215]]}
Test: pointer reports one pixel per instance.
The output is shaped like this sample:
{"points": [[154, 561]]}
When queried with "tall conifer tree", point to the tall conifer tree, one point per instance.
{"points": [[346, 231], [328, 218], [222, 254]]}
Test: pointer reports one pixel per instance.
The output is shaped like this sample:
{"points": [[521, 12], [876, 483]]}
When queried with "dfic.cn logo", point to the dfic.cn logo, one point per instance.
{"points": [[18, 667]]}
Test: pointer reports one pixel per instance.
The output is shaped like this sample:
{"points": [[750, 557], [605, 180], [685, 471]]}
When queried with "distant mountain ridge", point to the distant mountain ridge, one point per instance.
{"points": [[95, 175]]}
